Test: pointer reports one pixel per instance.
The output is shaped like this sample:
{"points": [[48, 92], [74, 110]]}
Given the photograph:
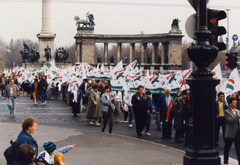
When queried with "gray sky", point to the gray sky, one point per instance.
{"points": [[22, 18]]}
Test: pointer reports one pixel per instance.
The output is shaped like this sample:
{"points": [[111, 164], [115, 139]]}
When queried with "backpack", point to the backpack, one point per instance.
{"points": [[9, 153]]}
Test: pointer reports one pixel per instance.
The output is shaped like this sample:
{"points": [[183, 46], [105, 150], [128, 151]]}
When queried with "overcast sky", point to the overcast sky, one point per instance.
{"points": [[23, 18]]}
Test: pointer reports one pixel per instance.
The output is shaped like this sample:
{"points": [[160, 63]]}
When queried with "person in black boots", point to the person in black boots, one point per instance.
{"points": [[140, 108]]}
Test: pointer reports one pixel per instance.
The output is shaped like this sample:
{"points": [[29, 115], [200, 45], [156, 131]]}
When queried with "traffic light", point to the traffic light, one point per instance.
{"points": [[213, 17], [235, 60], [229, 60], [232, 60]]}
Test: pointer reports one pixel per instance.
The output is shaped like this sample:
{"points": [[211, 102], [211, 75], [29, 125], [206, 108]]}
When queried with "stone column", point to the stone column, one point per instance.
{"points": [[165, 53], [46, 37], [163, 50], [144, 52], [119, 51], [106, 53], [154, 52], [46, 17], [132, 52], [78, 52]]}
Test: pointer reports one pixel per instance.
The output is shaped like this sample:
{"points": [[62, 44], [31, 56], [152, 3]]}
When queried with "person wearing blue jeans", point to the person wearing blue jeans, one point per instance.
{"points": [[149, 112], [11, 93]]}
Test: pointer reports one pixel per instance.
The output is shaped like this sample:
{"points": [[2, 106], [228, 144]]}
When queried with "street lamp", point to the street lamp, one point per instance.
{"points": [[201, 148]]}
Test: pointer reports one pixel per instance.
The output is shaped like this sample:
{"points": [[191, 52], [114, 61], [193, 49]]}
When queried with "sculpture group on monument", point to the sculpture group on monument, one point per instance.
{"points": [[29, 55], [32, 55]]}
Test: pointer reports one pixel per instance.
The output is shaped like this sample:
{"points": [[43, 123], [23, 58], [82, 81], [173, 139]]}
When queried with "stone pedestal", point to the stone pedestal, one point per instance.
{"points": [[44, 41], [85, 48], [35, 66]]}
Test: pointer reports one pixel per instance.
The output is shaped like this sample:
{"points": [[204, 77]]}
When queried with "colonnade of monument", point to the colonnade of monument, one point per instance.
{"points": [[171, 47]]}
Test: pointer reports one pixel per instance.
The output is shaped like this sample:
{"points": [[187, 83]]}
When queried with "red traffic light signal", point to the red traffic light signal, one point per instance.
{"points": [[213, 17], [232, 60], [235, 59]]}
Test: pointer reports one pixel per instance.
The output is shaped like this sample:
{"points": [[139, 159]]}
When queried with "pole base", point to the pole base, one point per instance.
{"points": [[201, 157]]}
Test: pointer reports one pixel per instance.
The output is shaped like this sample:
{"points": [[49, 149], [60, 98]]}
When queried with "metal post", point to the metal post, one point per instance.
{"points": [[227, 44], [201, 148]]}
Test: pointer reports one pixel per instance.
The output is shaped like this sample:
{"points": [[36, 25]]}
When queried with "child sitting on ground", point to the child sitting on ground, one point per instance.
{"points": [[47, 156]]}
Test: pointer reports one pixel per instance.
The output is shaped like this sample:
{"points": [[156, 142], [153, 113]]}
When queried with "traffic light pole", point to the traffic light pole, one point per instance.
{"points": [[201, 143], [227, 44]]}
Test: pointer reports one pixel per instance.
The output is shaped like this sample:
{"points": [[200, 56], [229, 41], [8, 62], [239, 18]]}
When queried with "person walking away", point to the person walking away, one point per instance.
{"points": [[35, 90], [43, 88], [29, 126], [140, 108], [3, 83], [107, 107], [11, 93], [221, 107]]}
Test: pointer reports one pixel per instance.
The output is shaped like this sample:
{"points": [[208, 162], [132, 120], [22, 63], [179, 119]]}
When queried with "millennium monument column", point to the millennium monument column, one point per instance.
{"points": [[46, 37]]}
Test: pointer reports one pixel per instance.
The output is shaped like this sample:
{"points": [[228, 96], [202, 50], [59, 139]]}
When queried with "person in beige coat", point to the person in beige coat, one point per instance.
{"points": [[94, 105], [11, 93]]}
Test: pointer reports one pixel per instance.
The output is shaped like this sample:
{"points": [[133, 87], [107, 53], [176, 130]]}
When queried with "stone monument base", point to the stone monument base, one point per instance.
{"points": [[35, 66]]}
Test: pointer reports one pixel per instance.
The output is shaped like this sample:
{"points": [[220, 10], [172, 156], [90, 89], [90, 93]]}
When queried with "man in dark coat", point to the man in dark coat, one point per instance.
{"points": [[140, 108], [177, 109], [166, 116], [84, 89], [232, 135], [43, 88]]}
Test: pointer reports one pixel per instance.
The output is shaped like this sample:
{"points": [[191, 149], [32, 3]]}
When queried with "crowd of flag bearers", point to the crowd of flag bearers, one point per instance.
{"points": [[105, 94]]}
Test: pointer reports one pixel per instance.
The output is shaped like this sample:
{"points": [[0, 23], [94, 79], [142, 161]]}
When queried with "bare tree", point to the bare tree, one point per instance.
{"points": [[3, 46], [72, 53], [13, 55], [185, 59]]}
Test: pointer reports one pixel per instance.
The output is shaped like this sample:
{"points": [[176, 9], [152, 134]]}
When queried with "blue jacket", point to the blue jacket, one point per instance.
{"points": [[162, 106], [25, 138], [217, 107], [151, 105]]}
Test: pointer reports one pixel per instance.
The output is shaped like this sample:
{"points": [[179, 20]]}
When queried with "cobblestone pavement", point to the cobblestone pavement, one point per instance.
{"points": [[52, 112]]}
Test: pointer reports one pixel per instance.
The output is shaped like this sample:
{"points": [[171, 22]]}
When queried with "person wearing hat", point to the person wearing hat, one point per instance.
{"points": [[50, 148]]}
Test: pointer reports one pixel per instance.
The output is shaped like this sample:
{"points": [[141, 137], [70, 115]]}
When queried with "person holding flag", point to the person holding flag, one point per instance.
{"points": [[166, 116]]}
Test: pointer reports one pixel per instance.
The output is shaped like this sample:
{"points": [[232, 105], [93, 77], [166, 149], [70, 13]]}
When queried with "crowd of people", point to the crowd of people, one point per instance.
{"points": [[101, 103]]}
